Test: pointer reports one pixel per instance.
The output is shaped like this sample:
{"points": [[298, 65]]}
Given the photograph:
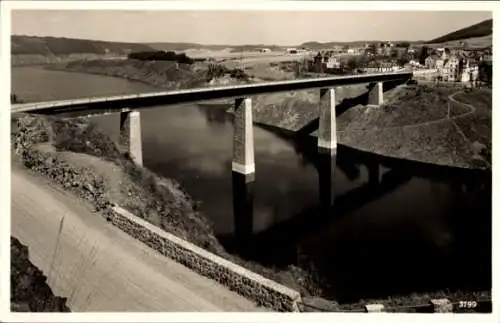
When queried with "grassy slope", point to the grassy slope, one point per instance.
{"points": [[413, 125], [474, 42], [477, 127], [484, 28]]}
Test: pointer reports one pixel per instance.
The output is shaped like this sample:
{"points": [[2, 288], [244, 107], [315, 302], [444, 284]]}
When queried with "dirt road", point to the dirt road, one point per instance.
{"points": [[97, 266]]}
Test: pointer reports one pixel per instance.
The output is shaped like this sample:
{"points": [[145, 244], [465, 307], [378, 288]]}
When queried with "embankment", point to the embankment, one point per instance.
{"points": [[412, 124], [29, 290], [161, 74]]}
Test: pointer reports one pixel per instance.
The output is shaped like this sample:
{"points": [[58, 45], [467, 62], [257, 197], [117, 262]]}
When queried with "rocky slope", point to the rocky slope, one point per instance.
{"points": [[29, 289]]}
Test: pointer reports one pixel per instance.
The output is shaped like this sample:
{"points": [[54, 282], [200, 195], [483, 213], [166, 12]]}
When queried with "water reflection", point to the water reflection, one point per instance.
{"points": [[326, 175], [243, 190], [366, 245]]}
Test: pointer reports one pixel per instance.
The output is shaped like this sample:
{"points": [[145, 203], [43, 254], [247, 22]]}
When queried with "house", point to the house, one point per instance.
{"points": [[410, 50], [332, 62], [485, 71], [265, 50], [430, 61], [450, 69]]}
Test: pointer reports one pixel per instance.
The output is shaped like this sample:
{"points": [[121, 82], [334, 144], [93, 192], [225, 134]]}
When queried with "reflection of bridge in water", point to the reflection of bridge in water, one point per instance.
{"points": [[284, 235], [331, 205]]}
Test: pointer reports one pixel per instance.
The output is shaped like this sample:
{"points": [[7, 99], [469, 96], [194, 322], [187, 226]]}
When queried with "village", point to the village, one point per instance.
{"points": [[463, 65]]}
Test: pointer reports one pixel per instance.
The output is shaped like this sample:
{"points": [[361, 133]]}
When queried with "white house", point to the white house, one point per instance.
{"points": [[332, 62]]}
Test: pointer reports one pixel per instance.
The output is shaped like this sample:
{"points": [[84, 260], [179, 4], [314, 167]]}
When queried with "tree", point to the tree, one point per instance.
{"points": [[373, 48], [402, 61], [403, 44], [423, 54], [356, 62], [394, 53]]}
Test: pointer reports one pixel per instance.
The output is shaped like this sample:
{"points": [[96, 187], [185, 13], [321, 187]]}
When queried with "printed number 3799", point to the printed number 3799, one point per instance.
{"points": [[467, 304]]}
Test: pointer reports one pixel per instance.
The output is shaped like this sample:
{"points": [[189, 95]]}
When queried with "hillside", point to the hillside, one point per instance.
{"points": [[484, 28], [474, 42], [61, 46], [320, 45], [184, 46]]}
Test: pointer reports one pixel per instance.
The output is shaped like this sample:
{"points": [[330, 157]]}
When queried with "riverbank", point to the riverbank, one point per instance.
{"points": [[409, 117], [29, 290]]}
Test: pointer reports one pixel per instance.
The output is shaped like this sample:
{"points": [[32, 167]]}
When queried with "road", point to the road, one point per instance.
{"points": [[97, 266]]}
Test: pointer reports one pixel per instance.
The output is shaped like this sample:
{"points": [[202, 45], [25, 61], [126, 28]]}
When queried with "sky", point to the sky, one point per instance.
{"points": [[242, 27]]}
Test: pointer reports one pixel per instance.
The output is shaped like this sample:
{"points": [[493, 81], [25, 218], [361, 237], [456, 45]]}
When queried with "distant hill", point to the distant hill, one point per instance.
{"points": [[187, 46], [61, 46], [484, 28]]}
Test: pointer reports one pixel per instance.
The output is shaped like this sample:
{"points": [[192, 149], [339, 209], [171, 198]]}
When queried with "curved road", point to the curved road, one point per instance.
{"points": [[97, 266]]}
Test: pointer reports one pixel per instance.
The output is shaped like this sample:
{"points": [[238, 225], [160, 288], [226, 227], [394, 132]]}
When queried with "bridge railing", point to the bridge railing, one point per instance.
{"points": [[129, 107]]}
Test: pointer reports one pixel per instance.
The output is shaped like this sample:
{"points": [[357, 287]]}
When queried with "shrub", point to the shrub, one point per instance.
{"points": [[181, 58]]}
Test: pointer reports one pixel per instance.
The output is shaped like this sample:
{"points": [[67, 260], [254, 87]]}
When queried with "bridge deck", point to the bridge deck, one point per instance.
{"points": [[143, 100]]}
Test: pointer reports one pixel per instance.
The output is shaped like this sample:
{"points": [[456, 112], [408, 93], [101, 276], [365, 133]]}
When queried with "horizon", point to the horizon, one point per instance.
{"points": [[47, 23]]}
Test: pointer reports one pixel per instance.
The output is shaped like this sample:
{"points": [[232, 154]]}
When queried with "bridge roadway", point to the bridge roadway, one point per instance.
{"points": [[97, 266], [120, 103], [129, 107]]}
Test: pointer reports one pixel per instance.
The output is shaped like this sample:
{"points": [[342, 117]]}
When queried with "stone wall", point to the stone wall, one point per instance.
{"points": [[246, 283]]}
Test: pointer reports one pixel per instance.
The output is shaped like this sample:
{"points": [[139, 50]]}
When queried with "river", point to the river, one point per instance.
{"points": [[416, 228]]}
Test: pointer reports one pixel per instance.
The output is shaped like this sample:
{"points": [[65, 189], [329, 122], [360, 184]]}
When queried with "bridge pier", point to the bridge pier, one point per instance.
{"points": [[243, 192], [327, 147], [243, 167], [243, 147], [130, 135], [374, 177], [376, 95], [327, 130], [326, 176]]}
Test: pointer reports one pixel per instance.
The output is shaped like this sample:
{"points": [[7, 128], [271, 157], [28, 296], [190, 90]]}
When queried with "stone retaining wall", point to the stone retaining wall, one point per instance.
{"points": [[263, 291]]}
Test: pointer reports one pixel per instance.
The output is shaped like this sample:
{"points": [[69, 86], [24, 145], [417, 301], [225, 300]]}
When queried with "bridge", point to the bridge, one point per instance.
{"points": [[130, 106]]}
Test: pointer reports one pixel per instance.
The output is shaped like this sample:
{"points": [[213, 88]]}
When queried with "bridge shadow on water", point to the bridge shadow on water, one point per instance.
{"points": [[377, 259]]}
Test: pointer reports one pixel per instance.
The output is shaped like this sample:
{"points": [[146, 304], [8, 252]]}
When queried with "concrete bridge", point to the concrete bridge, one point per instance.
{"points": [[129, 107]]}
